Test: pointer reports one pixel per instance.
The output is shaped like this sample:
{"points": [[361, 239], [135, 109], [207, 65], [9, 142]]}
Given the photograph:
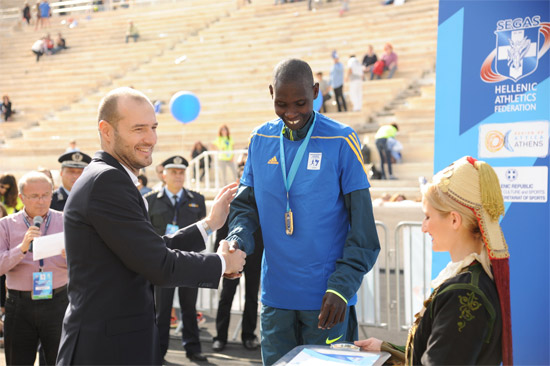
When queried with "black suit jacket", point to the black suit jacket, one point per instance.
{"points": [[114, 256], [59, 199]]}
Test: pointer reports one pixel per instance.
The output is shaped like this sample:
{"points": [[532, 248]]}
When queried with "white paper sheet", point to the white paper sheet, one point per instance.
{"points": [[48, 246], [331, 357]]}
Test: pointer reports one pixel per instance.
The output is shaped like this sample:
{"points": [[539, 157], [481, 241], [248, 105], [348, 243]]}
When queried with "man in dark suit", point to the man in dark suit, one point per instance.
{"points": [[171, 208], [114, 254], [72, 165]]}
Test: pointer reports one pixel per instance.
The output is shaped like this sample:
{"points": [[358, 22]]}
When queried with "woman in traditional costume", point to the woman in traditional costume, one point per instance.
{"points": [[466, 320]]}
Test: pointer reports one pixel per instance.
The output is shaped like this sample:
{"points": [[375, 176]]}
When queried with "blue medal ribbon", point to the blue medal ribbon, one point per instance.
{"points": [[297, 159]]}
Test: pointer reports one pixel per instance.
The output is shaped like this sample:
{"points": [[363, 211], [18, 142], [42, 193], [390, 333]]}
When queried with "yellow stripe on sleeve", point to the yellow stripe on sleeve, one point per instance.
{"points": [[270, 136], [359, 156]]}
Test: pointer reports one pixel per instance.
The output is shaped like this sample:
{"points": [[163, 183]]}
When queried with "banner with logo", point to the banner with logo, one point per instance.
{"points": [[493, 103]]}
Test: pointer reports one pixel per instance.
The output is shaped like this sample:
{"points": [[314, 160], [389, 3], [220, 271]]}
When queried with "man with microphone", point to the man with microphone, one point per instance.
{"points": [[37, 290]]}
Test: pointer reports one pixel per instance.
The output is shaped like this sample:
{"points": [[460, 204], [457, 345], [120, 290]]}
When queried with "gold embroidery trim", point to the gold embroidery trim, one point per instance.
{"points": [[469, 304]]}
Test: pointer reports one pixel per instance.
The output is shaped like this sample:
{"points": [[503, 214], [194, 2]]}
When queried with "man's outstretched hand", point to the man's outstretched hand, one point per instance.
{"points": [[220, 208]]}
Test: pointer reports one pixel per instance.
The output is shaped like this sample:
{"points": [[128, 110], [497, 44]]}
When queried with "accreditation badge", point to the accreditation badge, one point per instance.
{"points": [[42, 285], [171, 229]]}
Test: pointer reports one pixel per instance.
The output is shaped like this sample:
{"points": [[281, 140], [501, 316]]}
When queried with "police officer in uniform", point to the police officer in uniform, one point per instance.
{"points": [[173, 207], [72, 165]]}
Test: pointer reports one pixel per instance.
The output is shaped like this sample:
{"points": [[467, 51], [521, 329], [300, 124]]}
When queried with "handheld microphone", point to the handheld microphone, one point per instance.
{"points": [[37, 221]]}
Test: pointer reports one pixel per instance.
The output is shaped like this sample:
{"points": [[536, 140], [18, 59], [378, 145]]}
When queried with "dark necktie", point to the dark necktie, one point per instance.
{"points": [[175, 198]]}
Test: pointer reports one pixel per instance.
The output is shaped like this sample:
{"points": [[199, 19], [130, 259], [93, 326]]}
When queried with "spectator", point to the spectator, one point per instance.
{"points": [[72, 147], [49, 44], [314, 263], [39, 48], [344, 8], [132, 32], [381, 139], [224, 144], [60, 43], [365, 151], [382, 199], [98, 5], [337, 82], [241, 161], [397, 197], [37, 8], [27, 13], [158, 106], [390, 62], [72, 166], [466, 319], [355, 78], [369, 60], [45, 13], [9, 194], [142, 185], [34, 308], [7, 110], [324, 89], [395, 148], [170, 209], [252, 271], [198, 149]]}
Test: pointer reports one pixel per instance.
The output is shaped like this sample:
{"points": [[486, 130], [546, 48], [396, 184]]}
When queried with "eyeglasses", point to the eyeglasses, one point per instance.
{"points": [[36, 197]]}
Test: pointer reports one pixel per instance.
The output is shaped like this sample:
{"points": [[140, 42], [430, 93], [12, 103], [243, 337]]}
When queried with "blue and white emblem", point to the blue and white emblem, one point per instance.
{"points": [[517, 52], [314, 161]]}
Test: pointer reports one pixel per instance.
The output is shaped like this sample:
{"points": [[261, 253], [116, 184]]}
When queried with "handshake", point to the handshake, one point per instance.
{"points": [[234, 259]]}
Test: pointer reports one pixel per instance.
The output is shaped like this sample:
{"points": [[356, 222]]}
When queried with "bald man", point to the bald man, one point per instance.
{"points": [[114, 254]]}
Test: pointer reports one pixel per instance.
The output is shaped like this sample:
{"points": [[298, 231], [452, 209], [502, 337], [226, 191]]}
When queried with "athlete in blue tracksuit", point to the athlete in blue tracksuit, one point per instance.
{"points": [[305, 184]]}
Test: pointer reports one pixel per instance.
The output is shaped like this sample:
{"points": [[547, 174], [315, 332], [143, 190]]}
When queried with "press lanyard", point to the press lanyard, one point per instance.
{"points": [[41, 262], [293, 169]]}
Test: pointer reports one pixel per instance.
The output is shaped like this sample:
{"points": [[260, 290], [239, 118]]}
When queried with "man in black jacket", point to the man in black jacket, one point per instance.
{"points": [[115, 256]]}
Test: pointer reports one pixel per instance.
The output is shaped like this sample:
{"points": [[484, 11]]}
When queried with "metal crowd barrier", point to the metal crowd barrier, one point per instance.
{"points": [[416, 270]]}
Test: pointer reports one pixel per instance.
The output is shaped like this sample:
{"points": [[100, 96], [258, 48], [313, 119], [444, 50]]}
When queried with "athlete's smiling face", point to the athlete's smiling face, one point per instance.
{"points": [[293, 102]]}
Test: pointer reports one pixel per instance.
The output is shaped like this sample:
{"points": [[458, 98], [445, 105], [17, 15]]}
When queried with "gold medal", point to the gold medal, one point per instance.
{"points": [[289, 223]]}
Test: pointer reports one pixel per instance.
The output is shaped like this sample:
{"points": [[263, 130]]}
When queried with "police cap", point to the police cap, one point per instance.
{"points": [[175, 162], [74, 159]]}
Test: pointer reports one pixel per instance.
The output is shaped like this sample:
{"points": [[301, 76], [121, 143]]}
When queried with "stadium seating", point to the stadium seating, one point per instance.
{"points": [[225, 55]]}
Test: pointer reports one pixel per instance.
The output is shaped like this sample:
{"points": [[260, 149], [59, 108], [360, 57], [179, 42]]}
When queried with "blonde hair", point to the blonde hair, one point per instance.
{"points": [[444, 204]]}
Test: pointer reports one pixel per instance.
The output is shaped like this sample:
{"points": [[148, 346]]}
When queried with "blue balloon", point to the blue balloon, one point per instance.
{"points": [[318, 102], [185, 106]]}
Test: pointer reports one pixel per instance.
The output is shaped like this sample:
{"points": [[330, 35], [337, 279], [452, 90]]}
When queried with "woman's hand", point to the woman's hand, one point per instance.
{"points": [[371, 344]]}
